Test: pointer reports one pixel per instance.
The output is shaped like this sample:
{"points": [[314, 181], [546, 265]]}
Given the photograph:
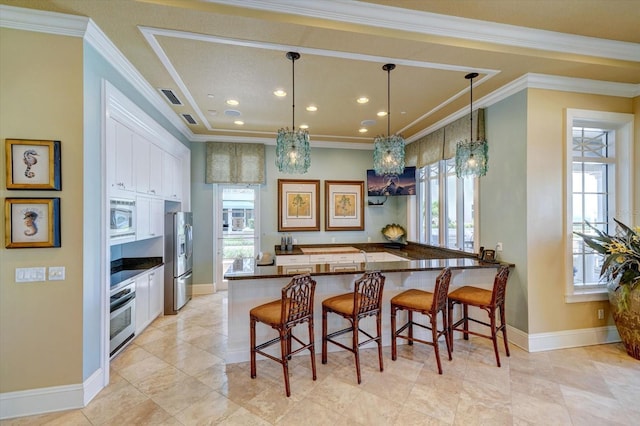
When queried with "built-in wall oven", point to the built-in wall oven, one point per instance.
{"points": [[123, 315]]}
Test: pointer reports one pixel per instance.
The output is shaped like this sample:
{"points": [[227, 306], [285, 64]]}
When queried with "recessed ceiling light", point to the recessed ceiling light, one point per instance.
{"points": [[363, 130], [232, 113], [239, 122], [280, 93], [367, 123], [210, 95], [382, 114], [362, 100], [304, 126], [312, 108], [212, 112], [232, 102]]}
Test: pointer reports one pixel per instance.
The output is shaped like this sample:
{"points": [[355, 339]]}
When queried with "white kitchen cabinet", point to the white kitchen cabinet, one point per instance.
{"points": [[150, 218], [149, 297], [148, 166], [171, 177], [120, 176], [294, 259], [142, 302], [156, 292]]}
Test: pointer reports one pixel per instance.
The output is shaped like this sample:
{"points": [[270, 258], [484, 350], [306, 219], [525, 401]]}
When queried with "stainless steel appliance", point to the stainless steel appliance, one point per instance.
{"points": [[123, 315], [122, 220], [178, 237]]}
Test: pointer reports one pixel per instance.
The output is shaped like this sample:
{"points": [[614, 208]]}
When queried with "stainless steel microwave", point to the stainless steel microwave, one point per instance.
{"points": [[122, 219]]}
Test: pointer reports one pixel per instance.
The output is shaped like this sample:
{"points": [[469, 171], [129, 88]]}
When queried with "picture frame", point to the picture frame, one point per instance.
{"points": [[298, 205], [33, 164], [32, 222], [344, 205], [489, 255]]}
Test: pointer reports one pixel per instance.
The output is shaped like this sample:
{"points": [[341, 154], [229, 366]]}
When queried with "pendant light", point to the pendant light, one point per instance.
{"points": [[292, 147], [471, 156], [388, 152]]}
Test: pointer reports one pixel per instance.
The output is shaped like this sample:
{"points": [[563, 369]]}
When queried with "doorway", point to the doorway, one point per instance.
{"points": [[237, 227]]}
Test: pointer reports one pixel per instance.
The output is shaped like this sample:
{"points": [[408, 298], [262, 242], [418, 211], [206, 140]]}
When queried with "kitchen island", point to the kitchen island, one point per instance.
{"points": [[251, 285]]}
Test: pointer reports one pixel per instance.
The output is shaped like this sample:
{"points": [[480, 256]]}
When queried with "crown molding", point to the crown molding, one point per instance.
{"points": [[539, 81], [78, 26], [446, 26], [19, 18], [69, 25]]}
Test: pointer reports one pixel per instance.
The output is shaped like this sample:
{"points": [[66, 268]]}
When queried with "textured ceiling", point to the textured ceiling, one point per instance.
{"points": [[210, 51]]}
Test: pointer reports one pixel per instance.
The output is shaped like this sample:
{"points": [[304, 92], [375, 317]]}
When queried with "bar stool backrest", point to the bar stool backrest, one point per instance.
{"points": [[297, 300], [500, 286], [368, 292], [441, 290]]}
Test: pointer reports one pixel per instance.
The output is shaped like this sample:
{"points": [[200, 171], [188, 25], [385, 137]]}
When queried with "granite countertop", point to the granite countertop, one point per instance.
{"points": [[418, 258], [127, 268]]}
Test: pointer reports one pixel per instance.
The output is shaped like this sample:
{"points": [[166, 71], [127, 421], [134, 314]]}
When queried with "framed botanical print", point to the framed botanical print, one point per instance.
{"points": [[32, 222], [33, 164], [298, 205], [344, 205]]}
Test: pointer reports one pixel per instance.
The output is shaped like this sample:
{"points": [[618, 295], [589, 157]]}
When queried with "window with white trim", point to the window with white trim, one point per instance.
{"points": [[446, 216], [599, 155]]}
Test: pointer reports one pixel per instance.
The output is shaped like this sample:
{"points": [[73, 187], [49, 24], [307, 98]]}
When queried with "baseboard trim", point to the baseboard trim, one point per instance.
{"points": [[539, 342], [200, 289], [47, 400]]}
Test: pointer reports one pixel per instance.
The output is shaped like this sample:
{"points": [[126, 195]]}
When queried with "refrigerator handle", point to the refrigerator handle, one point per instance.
{"points": [[189, 233]]}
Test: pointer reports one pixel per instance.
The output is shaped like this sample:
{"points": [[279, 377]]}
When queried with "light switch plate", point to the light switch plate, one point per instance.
{"points": [[56, 273], [25, 275]]}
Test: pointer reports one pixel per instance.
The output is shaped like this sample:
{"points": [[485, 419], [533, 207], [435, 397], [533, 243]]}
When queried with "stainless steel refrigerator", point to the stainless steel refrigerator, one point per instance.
{"points": [[178, 237]]}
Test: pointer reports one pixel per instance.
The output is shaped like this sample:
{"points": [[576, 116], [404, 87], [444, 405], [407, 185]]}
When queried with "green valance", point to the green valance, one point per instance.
{"points": [[235, 163], [441, 144]]}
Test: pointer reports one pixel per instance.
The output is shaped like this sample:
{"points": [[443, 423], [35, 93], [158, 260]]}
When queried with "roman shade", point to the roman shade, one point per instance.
{"points": [[441, 144], [234, 163]]}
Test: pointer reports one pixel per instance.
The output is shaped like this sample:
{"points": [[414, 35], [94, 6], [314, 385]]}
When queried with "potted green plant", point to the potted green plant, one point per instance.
{"points": [[621, 269]]}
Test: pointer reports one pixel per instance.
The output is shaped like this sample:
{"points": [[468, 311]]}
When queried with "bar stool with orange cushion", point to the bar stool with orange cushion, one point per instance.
{"points": [[294, 308], [364, 301], [490, 301], [425, 303]]}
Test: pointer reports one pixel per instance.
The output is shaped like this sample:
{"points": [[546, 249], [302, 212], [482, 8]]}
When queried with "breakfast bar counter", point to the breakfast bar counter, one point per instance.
{"points": [[414, 266]]}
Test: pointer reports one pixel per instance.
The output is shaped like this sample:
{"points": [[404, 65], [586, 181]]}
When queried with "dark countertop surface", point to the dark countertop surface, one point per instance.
{"points": [[127, 268], [419, 258]]}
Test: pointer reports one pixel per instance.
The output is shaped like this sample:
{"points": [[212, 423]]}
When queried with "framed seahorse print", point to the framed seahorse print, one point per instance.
{"points": [[33, 164], [32, 222]]}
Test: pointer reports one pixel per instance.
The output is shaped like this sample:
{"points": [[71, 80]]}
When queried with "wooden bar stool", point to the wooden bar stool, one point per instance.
{"points": [[366, 300], [425, 303], [294, 308], [487, 300]]}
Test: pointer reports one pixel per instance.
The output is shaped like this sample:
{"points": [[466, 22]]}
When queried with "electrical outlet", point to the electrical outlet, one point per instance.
{"points": [[499, 247], [600, 313]]}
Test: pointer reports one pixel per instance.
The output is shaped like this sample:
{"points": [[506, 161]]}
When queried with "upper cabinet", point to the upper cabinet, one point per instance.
{"points": [[148, 166], [171, 177], [120, 158], [142, 157], [135, 165]]}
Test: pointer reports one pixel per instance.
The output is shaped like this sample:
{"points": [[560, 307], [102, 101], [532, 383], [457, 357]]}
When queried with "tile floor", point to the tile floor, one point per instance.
{"points": [[174, 374]]}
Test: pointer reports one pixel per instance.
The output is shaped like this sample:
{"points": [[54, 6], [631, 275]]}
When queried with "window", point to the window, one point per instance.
{"points": [[446, 213], [598, 189]]}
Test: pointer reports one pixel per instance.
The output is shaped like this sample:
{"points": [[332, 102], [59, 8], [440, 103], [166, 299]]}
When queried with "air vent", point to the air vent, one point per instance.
{"points": [[171, 97], [189, 119]]}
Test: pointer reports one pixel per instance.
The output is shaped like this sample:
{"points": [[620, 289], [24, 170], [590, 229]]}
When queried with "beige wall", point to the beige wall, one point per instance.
{"points": [[546, 210], [41, 97]]}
